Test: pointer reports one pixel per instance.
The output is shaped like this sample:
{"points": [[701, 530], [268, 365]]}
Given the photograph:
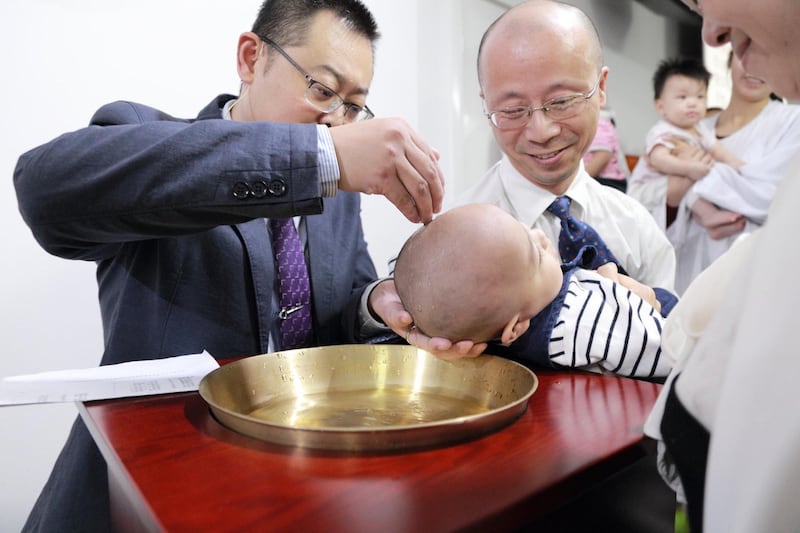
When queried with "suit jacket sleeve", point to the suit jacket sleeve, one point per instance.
{"points": [[136, 173]]}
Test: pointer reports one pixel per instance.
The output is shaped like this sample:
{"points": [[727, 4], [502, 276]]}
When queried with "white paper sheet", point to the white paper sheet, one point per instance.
{"points": [[137, 378]]}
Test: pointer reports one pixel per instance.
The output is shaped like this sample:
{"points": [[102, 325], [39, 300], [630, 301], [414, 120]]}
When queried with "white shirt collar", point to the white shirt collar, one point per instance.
{"points": [[528, 203], [226, 109]]}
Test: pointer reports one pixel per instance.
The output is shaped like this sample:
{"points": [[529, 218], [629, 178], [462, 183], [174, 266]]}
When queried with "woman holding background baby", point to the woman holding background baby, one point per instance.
{"points": [[760, 130]]}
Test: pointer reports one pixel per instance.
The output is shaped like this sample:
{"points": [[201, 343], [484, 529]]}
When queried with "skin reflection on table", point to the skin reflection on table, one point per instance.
{"points": [[173, 467]]}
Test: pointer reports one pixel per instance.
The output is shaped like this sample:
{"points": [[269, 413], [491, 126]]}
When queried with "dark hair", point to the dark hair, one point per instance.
{"points": [[689, 67], [286, 22]]}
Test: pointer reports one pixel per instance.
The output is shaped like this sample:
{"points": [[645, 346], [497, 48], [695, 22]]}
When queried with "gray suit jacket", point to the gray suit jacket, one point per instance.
{"points": [[172, 211]]}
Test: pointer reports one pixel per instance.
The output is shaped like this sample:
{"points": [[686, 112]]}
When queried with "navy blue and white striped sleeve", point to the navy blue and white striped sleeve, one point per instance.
{"points": [[604, 326]]}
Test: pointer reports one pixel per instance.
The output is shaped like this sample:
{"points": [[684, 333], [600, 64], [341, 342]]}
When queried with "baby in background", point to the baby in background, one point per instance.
{"points": [[477, 273], [680, 87], [604, 160]]}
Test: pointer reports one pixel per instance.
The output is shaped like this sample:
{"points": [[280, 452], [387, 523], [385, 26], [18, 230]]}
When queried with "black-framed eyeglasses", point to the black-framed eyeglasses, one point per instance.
{"points": [[560, 108], [320, 95]]}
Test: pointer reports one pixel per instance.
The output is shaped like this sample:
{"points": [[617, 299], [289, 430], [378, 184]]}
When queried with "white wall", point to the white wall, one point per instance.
{"points": [[716, 60], [62, 60]]}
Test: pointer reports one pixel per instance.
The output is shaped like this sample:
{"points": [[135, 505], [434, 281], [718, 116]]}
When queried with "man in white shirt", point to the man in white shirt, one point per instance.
{"points": [[540, 67], [543, 84]]}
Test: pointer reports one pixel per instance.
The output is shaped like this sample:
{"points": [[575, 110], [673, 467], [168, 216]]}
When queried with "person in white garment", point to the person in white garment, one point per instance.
{"points": [[728, 414], [765, 133], [543, 84], [680, 86]]}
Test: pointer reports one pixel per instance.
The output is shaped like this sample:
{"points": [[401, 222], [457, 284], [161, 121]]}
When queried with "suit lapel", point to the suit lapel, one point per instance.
{"points": [[262, 267], [321, 254]]}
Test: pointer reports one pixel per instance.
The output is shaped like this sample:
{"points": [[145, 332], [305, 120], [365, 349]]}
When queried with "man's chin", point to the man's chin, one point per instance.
{"points": [[549, 177]]}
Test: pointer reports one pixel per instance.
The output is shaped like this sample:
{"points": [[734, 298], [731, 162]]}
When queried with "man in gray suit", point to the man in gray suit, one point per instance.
{"points": [[173, 212]]}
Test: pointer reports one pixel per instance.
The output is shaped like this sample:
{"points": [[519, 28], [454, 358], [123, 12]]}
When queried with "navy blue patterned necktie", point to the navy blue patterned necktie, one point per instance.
{"points": [[576, 234], [294, 285]]}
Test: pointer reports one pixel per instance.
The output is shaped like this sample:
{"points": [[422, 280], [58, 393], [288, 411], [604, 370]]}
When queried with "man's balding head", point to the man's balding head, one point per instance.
{"points": [[538, 18]]}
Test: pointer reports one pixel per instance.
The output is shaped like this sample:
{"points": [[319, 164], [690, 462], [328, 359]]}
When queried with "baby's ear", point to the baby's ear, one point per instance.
{"points": [[514, 329], [659, 106]]}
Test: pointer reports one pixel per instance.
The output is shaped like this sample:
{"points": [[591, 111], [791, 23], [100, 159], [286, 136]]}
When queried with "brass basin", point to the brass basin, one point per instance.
{"points": [[367, 397]]}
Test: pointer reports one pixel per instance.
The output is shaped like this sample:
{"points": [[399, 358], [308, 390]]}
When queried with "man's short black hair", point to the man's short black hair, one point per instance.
{"points": [[286, 22]]}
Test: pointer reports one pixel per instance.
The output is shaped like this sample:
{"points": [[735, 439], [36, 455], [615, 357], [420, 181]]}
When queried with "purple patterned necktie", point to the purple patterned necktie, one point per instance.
{"points": [[575, 234], [295, 289]]}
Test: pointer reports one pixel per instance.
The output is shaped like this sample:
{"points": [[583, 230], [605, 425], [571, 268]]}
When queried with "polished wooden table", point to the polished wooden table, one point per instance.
{"points": [[173, 467]]}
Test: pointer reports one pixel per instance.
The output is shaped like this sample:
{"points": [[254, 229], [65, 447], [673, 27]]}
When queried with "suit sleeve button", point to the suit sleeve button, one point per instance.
{"points": [[277, 187], [241, 190], [258, 189]]}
